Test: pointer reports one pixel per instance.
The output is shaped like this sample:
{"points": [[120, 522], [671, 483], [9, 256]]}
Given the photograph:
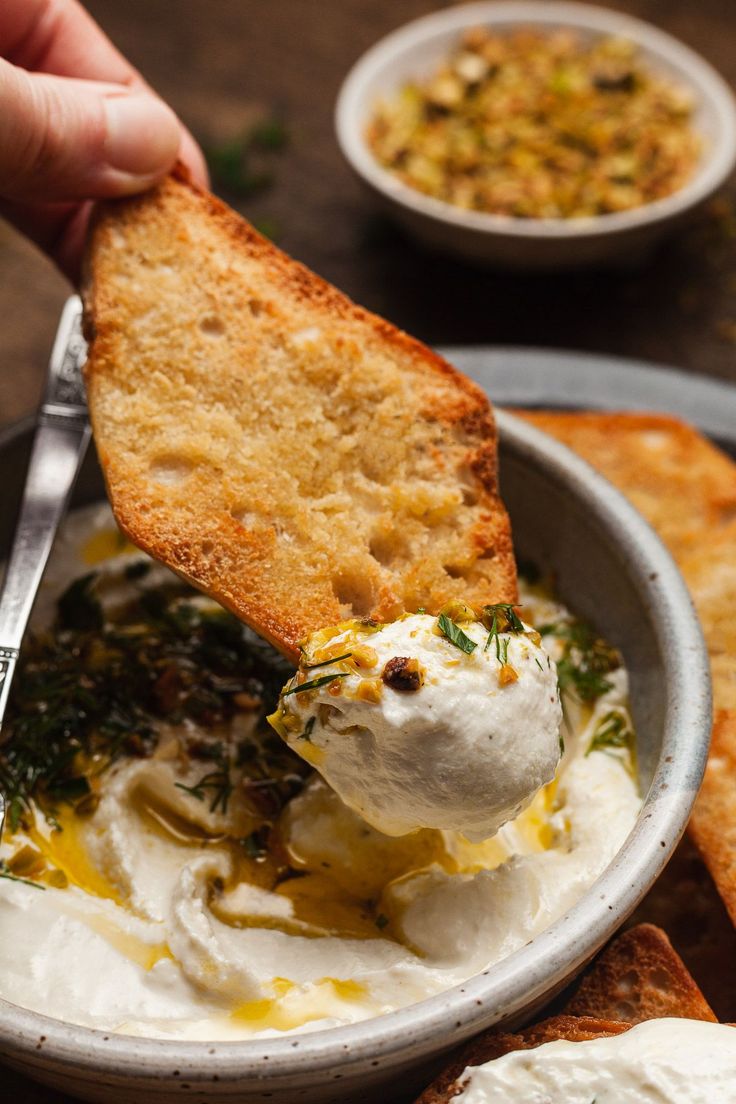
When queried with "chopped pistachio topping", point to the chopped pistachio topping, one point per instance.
{"points": [[404, 674]]}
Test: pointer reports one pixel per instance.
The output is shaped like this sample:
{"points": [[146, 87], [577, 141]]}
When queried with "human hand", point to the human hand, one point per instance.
{"points": [[77, 123]]}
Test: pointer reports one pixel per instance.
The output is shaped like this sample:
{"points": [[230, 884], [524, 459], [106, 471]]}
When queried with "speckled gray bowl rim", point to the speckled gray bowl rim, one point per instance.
{"points": [[436, 1023], [716, 164]]}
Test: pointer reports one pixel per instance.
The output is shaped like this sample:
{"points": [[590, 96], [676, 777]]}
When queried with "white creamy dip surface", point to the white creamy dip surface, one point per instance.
{"points": [[665, 1061], [464, 751], [159, 932]]}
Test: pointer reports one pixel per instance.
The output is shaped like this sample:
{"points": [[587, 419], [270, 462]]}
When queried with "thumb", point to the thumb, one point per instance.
{"points": [[66, 139]]}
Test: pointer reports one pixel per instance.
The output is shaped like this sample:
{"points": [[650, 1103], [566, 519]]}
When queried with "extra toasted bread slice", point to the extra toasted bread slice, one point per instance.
{"points": [[575, 1029], [639, 977], [291, 454], [686, 487], [676, 478], [713, 822], [709, 569]]}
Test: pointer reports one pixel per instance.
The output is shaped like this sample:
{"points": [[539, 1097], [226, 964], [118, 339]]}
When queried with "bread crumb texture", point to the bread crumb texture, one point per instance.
{"points": [[293, 455]]}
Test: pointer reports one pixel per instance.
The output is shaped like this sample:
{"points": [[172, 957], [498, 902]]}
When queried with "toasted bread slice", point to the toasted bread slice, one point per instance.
{"points": [[686, 903], [686, 487], [676, 478], [576, 1029], [709, 569], [639, 977], [713, 822], [296, 457]]}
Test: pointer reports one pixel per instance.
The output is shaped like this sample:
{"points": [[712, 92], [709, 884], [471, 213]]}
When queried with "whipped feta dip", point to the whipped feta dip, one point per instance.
{"points": [[664, 1061], [428, 722], [212, 886]]}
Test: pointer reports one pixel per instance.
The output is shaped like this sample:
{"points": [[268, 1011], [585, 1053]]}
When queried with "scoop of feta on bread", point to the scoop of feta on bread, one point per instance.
{"points": [[293, 455]]}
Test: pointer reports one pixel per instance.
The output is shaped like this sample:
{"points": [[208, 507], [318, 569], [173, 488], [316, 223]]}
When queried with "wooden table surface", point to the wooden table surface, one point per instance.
{"points": [[225, 64]]}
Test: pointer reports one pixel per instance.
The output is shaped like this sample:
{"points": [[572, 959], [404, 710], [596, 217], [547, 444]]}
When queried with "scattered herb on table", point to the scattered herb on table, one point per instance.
{"points": [[241, 164]]}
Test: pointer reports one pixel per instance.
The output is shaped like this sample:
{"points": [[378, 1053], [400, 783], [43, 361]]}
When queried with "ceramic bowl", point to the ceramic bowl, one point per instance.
{"points": [[415, 51], [611, 569]]}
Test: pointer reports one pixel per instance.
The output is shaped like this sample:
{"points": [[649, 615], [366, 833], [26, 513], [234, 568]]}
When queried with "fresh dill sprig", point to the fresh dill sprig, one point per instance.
{"points": [[586, 659], [455, 634], [5, 873], [308, 728], [218, 782], [612, 731], [500, 618], [314, 684], [98, 684], [325, 662]]}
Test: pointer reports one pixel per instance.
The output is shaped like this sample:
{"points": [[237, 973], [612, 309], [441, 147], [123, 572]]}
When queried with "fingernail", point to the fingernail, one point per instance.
{"points": [[143, 134]]}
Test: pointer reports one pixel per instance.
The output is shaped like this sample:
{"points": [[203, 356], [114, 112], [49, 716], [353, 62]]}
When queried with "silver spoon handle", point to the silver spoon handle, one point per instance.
{"points": [[59, 445]]}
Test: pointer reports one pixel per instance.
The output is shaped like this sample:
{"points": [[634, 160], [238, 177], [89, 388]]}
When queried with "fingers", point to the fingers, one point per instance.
{"points": [[65, 139], [193, 158], [60, 37]]}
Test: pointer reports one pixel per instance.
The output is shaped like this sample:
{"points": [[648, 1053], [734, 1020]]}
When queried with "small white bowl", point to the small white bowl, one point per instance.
{"points": [[415, 51]]}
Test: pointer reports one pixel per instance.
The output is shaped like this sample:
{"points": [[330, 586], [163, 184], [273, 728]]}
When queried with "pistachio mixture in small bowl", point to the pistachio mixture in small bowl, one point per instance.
{"points": [[537, 135]]}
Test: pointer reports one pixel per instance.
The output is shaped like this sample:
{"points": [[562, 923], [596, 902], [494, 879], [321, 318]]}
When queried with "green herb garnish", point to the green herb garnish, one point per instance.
{"points": [[381, 921], [217, 782], [5, 873], [506, 616], [313, 684], [325, 662], [99, 685], [500, 618], [612, 731], [455, 634], [307, 733], [586, 659]]}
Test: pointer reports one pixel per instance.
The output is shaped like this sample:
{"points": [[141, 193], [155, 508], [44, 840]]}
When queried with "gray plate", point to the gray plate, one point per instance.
{"points": [[578, 381]]}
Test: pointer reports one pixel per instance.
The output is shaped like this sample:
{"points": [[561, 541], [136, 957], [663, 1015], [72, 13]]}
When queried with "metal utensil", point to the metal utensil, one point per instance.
{"points": [[60, 442]]}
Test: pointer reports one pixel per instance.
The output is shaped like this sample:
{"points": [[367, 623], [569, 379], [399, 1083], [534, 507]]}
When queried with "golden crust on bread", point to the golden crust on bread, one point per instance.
{"points": [[682, 484], [639, 977], [713, 821], [709, 569], [686, 488], [293, 455], [494, 1044]]}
